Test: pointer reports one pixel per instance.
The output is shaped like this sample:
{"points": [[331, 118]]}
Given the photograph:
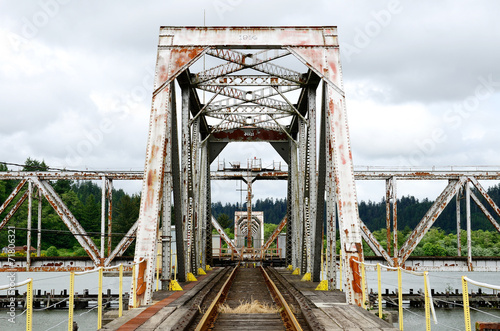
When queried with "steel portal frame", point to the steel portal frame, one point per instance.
{"points": [[237, 105]]}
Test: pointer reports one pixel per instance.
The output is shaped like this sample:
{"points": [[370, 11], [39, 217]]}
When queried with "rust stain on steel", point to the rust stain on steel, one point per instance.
{"points": [[141, 285], [181, 57], [356, 272]]}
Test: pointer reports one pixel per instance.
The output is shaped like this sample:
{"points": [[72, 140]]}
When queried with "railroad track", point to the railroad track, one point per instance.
{"points": [[246, 285]]}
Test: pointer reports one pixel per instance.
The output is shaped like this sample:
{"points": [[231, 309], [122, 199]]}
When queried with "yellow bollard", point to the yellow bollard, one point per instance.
{"points": [[465, 294], [306, 277], [427, 305], [174, 286], [363, 289], [190, 277], [296, 272], [29, 305], [322, 286], [99, 301], [379, 291], [157, 270], [120, 296], [71, 300], [400, 300], [208, 267], [201, 271]]}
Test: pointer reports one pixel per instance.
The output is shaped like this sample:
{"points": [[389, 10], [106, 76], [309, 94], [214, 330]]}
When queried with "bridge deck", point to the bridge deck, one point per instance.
{"points": [[171, 308]]}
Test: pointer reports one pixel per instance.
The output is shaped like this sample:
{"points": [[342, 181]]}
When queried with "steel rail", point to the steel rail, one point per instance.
{"points": [[208, 319], [286, 313], [304, 306]]}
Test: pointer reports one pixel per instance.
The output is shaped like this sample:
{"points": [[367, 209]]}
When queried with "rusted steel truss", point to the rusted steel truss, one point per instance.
{"points": [[39, 187], [248, 99], [276, 232], [223, 235]]}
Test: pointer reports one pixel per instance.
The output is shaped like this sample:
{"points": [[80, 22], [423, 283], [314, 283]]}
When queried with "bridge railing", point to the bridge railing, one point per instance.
{"points": [[29, 301], [465, 293], [429, 301]]}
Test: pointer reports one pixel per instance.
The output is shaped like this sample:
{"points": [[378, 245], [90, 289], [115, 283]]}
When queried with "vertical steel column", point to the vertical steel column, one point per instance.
{"points": [[39, 224], [171, 61], [315, 257], [302, 180], [178, 202], [202, 209], [459, 231], [289, 213], [103, 218], [320, 197], [469, 240], [249, 210], [28, 232], [166, 220], [195, 196], [186, 175], [110, 213], [388, 213], [331, 207], [293, 175], [325, 62], [208, 206], [395, 220], [392, 198]]}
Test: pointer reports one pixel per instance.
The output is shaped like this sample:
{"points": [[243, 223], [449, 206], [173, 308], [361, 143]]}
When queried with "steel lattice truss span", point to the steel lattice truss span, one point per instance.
{"points": [[463, 184]]}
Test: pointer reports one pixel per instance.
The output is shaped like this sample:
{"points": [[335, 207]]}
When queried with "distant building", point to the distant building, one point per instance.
{"points": [[19, 249]]}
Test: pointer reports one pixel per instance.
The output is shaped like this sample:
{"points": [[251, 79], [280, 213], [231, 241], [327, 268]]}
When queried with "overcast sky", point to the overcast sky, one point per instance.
{"points": [[422, 80]]}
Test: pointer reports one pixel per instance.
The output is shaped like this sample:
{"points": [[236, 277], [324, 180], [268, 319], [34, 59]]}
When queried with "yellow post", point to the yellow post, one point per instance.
{"points": [[427, 305], [133, 287], [29, 305], [120, 295], [71, 300], [379, 291], [99, 301], [400, 300], [465, 294], [363, 289], [340, 269]]}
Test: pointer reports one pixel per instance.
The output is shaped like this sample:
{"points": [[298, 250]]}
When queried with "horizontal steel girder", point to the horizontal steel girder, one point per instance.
{"points": [[425, 174]]}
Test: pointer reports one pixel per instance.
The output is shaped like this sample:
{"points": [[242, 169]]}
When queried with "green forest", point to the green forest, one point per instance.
{"points": [[83, 198]]}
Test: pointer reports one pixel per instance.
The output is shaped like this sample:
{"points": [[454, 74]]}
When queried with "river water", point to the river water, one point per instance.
{"points": [[413, 319]]}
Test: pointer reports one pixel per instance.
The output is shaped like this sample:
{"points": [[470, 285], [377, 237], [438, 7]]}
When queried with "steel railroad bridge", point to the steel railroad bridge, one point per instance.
{"points": [[281, 85]]}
